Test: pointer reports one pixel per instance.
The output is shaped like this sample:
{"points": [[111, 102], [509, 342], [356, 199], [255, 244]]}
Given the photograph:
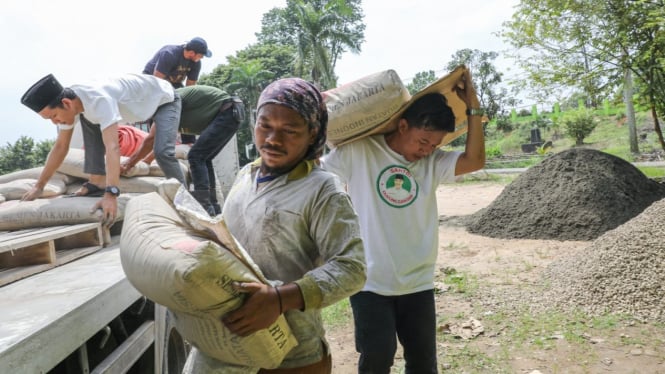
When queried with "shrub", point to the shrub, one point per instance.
{"points": [[503, 124], [493, 151], [579, 125]]}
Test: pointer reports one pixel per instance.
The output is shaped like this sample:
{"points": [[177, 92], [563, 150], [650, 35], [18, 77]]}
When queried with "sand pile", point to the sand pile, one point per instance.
{"points": [[578, 194], [622, 271]]}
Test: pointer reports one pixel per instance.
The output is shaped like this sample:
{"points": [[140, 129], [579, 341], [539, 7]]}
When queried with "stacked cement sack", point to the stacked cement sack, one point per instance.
{"points": [[187, 270], [373, 105], [57, 206], [18, 215]]}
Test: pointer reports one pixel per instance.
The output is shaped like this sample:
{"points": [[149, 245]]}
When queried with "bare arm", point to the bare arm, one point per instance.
{"points": [[190, 82], [144, 150], [53, 162], [473, 157], [109, 203]]}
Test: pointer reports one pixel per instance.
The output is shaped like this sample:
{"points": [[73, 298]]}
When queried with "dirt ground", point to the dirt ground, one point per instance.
{"points": [[512, 341]]}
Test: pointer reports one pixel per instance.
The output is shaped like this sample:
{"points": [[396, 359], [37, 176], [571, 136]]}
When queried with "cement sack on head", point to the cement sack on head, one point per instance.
{"points": [[17, 215], [73, 165], [375, 103], [34, 173], [188, 271], [15, 190]]}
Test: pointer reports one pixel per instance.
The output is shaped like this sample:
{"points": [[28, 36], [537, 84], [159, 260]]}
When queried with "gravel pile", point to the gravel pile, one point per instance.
{"points": [[578, 194], [622, 271]]}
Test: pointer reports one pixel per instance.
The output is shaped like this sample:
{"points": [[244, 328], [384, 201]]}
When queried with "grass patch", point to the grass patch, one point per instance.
{"points": [[610, 135], [338, 314], [652, 171], [469, 359], [461, 282]]}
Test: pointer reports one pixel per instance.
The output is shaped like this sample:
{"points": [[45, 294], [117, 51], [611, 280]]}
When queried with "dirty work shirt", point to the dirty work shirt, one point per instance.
{"points": [[400, 231], [300, 228], [200, 105], [127, 99]]}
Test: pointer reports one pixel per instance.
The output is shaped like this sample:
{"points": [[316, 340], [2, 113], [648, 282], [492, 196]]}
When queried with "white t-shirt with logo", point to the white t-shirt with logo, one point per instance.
{"points": [[129, 98], [399, 221]]}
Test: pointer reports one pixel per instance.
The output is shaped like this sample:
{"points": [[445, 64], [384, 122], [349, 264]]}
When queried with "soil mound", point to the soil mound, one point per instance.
{"points": [[577, 194], [622, 271]]}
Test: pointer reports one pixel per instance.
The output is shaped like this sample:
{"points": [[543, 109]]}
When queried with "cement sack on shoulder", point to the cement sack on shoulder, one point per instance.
{"points": [[34, 173], [371, 105], [15, 190], [74, 161], [187, 271], [361, 105], [17, 215]]}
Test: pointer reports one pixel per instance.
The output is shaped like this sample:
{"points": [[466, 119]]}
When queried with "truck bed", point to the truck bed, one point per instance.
{"points": [[47, 316]]}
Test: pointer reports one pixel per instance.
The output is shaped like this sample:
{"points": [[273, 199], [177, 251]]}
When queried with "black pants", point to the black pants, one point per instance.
{"points": [[381, 320]]}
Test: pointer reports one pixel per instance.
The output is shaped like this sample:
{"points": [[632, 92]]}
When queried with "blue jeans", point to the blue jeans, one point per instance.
{"points": [[167, 120], [210, 142], [381, 320]]}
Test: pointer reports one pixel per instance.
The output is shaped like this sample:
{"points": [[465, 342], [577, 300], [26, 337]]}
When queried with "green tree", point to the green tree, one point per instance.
{"points": [[24, 154], [320, 31], [486, 79], [247, 81], [420, 81], [579, 125], [589, 45], [245, 75]]}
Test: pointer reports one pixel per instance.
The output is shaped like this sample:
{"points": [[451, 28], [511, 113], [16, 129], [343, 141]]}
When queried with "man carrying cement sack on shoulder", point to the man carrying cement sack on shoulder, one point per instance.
{"points": [[297, 224], [400, 230], [215, 116], [99, 108]]}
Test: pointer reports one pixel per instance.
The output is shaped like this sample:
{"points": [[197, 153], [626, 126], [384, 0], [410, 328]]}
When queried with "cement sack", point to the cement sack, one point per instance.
{"points": [[34, 173], [73, 165], [190, 272], [17, 215], [15, 190], [373, 105], [359, 106], [2, 199], [181, 151], [156, 171], [128, 185]]}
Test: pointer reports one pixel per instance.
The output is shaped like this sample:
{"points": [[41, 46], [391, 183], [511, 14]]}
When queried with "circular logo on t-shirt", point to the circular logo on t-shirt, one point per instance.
{"points": [[396, 186]]}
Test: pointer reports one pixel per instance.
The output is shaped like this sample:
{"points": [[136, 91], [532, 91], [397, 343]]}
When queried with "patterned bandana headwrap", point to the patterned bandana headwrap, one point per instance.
{"points": [[304, 98]]}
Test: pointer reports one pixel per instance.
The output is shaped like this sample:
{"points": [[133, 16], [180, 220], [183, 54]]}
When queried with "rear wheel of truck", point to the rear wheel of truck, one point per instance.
{"points": [[169, 343]]}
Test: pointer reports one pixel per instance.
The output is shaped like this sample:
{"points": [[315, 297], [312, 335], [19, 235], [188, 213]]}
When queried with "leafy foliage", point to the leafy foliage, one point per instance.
{"points": [[420, 81], [579, 125], [246, 76], [486, 79], [24, 154], [588, 45], [319, 31]]}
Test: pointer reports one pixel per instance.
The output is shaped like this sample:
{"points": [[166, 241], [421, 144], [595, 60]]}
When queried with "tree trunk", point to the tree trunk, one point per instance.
{"points": [[630, 110], [656, 126]]}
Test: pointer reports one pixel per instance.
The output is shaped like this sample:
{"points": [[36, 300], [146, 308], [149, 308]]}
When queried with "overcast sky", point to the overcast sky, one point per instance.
{"points": [[80, 40]]}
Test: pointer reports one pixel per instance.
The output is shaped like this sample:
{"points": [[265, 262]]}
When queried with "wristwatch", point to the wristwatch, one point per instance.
{"points": [[113, 190], [475, 112]]}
